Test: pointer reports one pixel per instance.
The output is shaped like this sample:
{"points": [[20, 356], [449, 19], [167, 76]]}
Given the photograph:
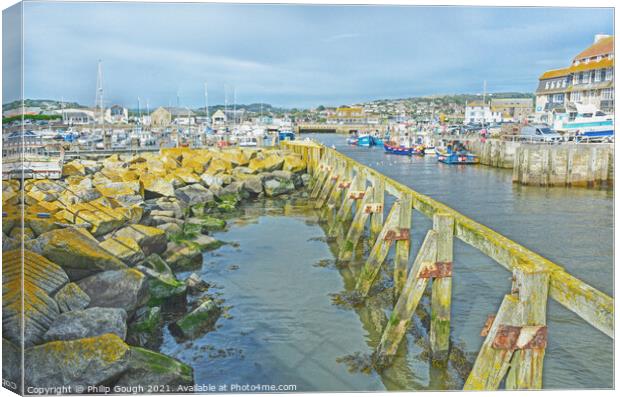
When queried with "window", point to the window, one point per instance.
{"points": [[564, 83], [597, 75], [558, 98], [547, 85], [609, 75], [576, 96], [552, 84], [607, 94]]}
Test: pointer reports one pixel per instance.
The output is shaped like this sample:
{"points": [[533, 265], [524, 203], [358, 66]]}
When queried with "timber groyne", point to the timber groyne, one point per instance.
{"points": [[352, 197]]}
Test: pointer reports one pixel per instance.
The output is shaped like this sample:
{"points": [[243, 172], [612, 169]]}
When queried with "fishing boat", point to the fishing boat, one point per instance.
{"points": [[429, 150], [394, 148], [286, 135], [352, 140], [451, 157], [419, 150], [365, 140], [376, 141]]}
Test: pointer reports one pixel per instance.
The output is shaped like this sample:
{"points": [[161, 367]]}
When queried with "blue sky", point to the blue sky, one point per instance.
{"points": [[293, 55]]}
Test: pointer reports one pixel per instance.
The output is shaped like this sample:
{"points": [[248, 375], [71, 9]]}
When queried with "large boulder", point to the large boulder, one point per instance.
{"points": [[293, 164], [253, 185], [268, 163], [86, 323], [73, 168], [198, 321], [194, 194], [126, 289], [183, 257], [71, 297], [275, 187], [146, 328], [156, 186], [147, 367], [26, 299], [150, 239], [77, 253], [124, 248], [76, 363], [164, 288]]}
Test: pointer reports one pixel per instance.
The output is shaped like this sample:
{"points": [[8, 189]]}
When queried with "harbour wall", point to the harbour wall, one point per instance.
{"points": [[537, 164]]}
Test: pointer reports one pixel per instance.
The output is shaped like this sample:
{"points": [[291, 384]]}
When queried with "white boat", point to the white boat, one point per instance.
{"points": [[584, 121]]}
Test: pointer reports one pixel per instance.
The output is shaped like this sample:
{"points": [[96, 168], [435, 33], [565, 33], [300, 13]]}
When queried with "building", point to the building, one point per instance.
{"points": [[219, 117], [513, 109], [478, 112], [116, 114], [161, 117], [77, 116], [348, 115], [589, 80]]}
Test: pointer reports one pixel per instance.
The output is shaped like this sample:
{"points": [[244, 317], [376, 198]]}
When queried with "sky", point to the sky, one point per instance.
{"points": [[291, 55]]}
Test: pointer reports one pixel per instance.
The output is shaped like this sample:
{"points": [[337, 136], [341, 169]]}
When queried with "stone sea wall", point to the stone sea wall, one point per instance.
{"points": [[102, 250]]}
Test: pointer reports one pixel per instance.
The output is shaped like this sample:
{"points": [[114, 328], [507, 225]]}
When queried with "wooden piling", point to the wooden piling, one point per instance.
{"points": [[331, 181], [442, 288], [401, 258], [376, 218], [379, 252], [344, 213], [334, 202], [357, 227], [408, 300]]}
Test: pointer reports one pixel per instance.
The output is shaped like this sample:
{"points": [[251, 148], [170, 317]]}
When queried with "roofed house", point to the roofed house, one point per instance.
{"points": [[161, 117], [513, 109], [587, 81]]}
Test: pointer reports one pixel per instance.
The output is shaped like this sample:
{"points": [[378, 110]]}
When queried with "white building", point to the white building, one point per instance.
{"points": [[116, 114], [479, 112]]}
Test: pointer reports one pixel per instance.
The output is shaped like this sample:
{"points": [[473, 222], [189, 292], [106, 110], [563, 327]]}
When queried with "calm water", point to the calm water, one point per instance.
{"points": [[283, 328]]}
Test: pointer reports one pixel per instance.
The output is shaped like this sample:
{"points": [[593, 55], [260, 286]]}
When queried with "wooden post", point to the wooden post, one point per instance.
{"points": [[379, 251], [527, 365], [376, 219], [344, 213], [408, 300], [330, 182], [401, 258], [323, 174], [357, 227], [334, 202], [491, 364], [442, 289]]}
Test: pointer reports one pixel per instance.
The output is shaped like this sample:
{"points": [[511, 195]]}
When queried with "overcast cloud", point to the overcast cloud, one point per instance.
{"points": [[293, 55]]}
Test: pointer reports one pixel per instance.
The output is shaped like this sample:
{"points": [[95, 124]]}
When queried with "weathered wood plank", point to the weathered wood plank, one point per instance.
{"points": [[376, 218], [408, 301], [379, 252], [401, 256], [344, 213], [357, 227], [441, 297]]}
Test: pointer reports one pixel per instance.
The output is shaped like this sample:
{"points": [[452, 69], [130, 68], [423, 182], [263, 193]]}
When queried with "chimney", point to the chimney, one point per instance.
{"points": [[598, 37]]}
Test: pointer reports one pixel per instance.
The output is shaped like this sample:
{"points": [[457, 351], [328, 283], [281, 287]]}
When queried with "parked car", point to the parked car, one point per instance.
{"points": [[540, 133]]}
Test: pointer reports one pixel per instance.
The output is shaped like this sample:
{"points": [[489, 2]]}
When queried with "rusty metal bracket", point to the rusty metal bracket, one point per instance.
{"points": [[487, 325], [436, 270], [397, 234], [373, 208], [510, 337], [357, 194], [344, 185]]}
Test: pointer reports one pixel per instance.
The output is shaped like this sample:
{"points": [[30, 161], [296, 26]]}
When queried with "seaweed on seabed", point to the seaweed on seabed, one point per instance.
{"points": [[347, 299], [358, 362]]}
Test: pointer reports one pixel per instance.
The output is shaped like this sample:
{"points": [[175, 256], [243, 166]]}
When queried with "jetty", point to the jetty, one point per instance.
{"points": [[352, 197]]}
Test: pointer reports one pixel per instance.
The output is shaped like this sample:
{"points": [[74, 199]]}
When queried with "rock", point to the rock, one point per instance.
{"points": [[73, 168], [156, 263], [91, 166], [151, 240], [170, 228], [305, 179], [208, 223], [11, 367], [78, 254], [83, 362], [211, 180], [159, 220], [155, 186], [218, 166], [146, 329], [195, 284], [267, 164], [164, 289], [182, 257], [233, 189], [169, 214], [147, 367], [198, 321], [87, 323], [124, 248], [293, 164], [283, 175], [71, 297], [129, 199], [166, 204], [253, 185], [126, 289], [41, 278], [194, 194], [207, 243], [275, 187]]}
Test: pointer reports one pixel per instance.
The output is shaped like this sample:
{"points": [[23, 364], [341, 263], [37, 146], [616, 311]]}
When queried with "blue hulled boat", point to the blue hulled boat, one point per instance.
{"points": [[286, 135], [365, 141], [394, 148], [450, 157]]}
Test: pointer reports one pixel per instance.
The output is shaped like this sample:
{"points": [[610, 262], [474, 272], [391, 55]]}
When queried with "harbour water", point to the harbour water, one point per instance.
{"points": [[283, 328]]}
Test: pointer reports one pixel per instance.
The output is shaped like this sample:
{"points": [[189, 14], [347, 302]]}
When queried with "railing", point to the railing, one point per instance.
{"points": [[515, 338]]}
